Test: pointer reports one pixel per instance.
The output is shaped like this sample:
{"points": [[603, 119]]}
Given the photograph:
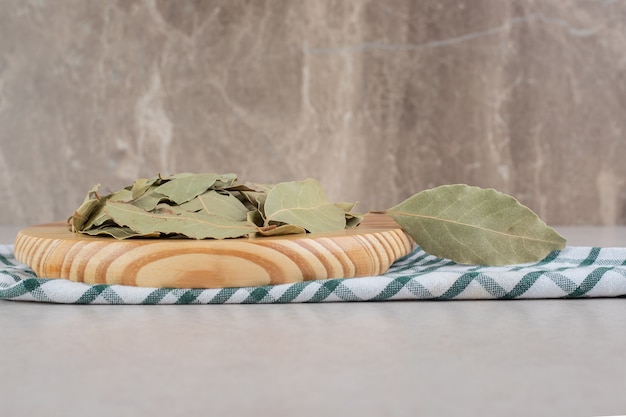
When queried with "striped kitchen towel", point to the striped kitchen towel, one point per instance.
{"points": [[575, 272]]}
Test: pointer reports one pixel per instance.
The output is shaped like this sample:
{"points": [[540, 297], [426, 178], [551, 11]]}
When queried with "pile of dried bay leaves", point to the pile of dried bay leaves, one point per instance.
{"points": [[466, 224], [202, 206]]}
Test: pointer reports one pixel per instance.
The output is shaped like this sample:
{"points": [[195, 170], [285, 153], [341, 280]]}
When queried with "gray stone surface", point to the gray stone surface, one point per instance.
{"points": [[476, 358], [376, 99]]}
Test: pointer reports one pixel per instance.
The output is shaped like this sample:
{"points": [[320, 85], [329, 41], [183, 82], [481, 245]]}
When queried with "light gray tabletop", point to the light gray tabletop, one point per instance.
{"points": [[469, 358]]}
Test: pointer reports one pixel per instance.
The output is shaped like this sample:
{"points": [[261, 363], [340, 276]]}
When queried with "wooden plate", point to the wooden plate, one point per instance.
{"points": [[52, 251]]}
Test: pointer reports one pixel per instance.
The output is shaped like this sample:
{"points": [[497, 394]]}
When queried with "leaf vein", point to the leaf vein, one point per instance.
{"points": [[400, 213]]}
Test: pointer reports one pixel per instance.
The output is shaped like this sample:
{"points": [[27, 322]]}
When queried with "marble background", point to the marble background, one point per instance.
{"points": [[377, 99]]}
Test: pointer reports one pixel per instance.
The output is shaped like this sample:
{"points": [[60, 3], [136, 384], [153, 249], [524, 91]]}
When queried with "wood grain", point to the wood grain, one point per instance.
{"points": [[52, 251]]}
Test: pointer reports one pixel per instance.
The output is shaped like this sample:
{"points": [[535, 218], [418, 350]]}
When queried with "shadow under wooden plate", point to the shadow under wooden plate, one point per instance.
{"points": [[52, 251]]}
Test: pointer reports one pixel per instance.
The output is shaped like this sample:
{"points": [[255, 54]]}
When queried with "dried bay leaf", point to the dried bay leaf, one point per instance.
{"points": [[164, 208], [345, 206], [224, 181], [99, 217], [82, 214], [182, 189], [225, 205], [471, 225], [352, 219], [118, 232], [142, 185], [84, 211], [255, 217], [251, 194], [213, 202], [192, 225], [285, 229], [303, 204], [124, 195], [149, 199], [249, 186], [255, 198]]}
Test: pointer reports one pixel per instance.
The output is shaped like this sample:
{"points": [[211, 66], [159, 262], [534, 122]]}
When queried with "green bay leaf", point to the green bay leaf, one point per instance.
{"points": [[471, 225], [192, 225], [304, 204]]}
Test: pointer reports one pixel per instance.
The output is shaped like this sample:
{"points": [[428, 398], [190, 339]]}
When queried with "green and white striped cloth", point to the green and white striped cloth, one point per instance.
{"points": [[575, 272]]}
